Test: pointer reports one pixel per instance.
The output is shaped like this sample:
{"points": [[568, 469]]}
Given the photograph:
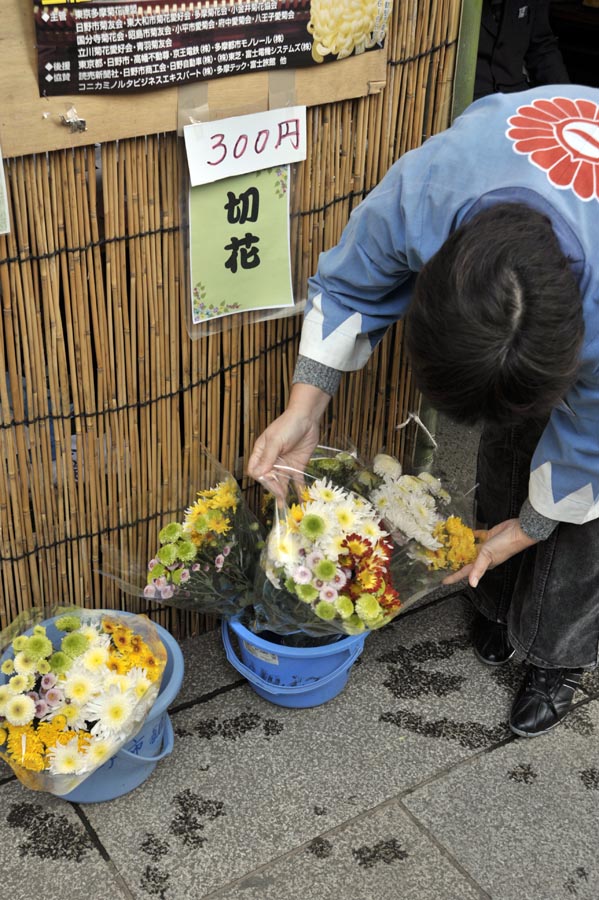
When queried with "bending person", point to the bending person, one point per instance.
{"points": [[485, 240]]}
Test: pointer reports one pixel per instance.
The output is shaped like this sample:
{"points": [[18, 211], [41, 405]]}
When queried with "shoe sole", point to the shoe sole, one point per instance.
{"points": [[534, 734], [487, 662]]}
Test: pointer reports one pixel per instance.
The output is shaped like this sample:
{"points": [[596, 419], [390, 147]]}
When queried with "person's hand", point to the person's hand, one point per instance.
{"points": [[289, 441], [503, 541]]}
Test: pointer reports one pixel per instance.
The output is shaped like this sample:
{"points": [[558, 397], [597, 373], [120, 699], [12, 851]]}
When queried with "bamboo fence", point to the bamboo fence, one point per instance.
{"points": [[106, 400]]}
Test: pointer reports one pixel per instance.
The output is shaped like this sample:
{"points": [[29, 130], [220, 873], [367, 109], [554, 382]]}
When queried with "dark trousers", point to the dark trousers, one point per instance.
{"points": [[548, 595]]}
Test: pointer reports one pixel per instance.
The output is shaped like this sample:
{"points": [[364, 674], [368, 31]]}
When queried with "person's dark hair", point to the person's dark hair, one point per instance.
{"points": [[495, 325]]}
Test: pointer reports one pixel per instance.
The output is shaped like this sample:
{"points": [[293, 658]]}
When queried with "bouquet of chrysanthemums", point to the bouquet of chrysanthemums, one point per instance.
{"points": [[421, 515], [75, 686], [325, 565], [206, 562]]}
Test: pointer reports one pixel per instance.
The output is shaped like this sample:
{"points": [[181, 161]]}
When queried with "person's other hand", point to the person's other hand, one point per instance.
{"points": [[503, 541], [289, 441]]}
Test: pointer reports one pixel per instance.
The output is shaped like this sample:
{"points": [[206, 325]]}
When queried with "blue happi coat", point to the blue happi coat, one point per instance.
{"points": [[539, 147]]}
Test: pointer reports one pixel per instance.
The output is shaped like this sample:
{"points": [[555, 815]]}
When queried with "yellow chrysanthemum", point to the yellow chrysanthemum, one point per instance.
{"points": [[25, 747], [219, 523], [116, 663], [48, 732], [295, 513], [121, 638], [370, 580], [458, 545]]}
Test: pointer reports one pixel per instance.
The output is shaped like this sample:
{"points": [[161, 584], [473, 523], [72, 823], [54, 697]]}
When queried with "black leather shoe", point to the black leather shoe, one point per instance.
{"points": [[543, 700], [490, 641]]}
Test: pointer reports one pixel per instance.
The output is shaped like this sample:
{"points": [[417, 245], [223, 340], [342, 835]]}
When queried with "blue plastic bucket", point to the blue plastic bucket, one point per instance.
{"points": [[292, 676], [136, 761]]}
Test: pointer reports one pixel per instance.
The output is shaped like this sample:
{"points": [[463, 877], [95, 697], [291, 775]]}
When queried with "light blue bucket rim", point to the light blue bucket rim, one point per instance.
{"points": [[345, 641], [350, 646]]}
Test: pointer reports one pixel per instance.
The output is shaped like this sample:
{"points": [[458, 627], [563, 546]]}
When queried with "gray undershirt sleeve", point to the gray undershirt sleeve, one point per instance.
{"points": [[309, 371], [534, 524]]}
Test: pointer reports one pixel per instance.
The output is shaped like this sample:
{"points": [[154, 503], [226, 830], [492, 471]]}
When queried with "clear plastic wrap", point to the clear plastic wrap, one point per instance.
{"points": [[206, 561], [324, 569], [75, 686], [426, 530]]}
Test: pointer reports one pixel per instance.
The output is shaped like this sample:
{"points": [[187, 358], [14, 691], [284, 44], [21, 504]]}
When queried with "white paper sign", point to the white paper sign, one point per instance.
{"points": [[245, 144]]}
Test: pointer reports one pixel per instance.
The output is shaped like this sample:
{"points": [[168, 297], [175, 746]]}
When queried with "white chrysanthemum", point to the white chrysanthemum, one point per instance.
{"points": [[79, 685], [372, 531], [66, 759], [325, 491], [138, 680], [433, 484], [114, 679], [99, 750], [93, 632], [386, 466], [19, 709], [5, 693], [404, 492], [112, 710], [95, 658], [75, 715], [347, 516], [333, 545], [425, 538], [25, 663], [283, 546]]}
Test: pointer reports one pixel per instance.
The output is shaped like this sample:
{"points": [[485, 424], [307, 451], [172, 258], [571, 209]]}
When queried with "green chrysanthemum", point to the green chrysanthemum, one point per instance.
{"points": [[344, 606], [167, 555], [156, 571], [306, 592], [170, 533], [39, 646], [312, 526], [369, 610], [60, 663], [68, 623], [325, 610], [43, 667], [329, 466], [39, 629], [20, 643], [176, 575], [7, 667], [186, 550], [354, 625], [325, 570], [74, 644]]}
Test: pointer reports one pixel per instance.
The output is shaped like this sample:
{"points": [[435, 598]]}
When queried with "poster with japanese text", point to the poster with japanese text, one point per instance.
{"points": [[100, 46], [239, 244]]}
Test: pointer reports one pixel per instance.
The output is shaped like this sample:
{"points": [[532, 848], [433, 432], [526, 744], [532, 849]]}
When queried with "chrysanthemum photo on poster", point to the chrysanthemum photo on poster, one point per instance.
{"points": [[74, 689], [325, 565]]}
